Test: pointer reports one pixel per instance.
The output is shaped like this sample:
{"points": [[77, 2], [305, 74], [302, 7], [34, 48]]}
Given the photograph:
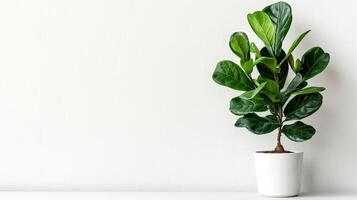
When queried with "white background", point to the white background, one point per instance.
{"points": [[117, 95]]}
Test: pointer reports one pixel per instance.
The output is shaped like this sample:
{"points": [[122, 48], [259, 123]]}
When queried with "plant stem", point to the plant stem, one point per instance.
{"points": [[279, 115], [279, 148]]}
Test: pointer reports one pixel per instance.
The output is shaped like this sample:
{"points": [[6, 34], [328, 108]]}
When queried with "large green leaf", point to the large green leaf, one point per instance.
{"points": [[266, 72], [280, 15], [239, 44], [229, 74], [302, 106], [256, 124], [309, 90], [313, 62], [240, 106], [252, 93], [293, 46], [271, 89], [297, 80], [298, 131], [263, 27]]}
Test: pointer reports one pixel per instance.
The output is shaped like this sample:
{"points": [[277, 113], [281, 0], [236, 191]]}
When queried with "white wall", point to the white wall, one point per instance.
{"points": [[117, 95]]}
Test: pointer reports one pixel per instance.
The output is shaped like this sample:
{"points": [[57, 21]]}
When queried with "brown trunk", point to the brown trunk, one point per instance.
{"points": [[279, 148]]}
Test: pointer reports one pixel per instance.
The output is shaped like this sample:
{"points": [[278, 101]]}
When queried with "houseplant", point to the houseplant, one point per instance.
{"points": [[278, 171]]}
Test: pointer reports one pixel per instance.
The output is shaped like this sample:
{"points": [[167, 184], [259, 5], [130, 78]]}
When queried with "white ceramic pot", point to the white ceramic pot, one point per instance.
{"points": [[278, 174]]}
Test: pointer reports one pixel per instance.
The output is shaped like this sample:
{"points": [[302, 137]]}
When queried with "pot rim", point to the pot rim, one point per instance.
{"points": [[278, 154]]}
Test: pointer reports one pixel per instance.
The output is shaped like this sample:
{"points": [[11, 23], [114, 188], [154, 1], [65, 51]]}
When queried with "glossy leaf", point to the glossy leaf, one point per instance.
{"points": [[298, 131], [267, 73], [240, 106], [239, 44], [313, 62], [293, 46], [297, 42], [280, 15], [263, 27], [269, 63], [291, 61], [284, 70], [229, 74], [302, 106], [248, 66], [293, 85], [302, 85], [254, 49], [252, 93], [264, 70], [297, 66], [271, 89], [258, 125], [309, 90]]}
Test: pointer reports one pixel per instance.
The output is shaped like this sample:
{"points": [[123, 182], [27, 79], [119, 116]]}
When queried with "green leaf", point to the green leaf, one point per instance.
{"points": [[284, 70], [255, 50], [297, 80], [298, 131], [239, 44], [297, 66], [267, 73], [271, 89], [252, 93], [263, 27], [248, 66], [240, 106], [263, 69], [309, 90], [256, 124], [229, 74], [302, 106], [280, 15], [293, 46], [297, 42], [269, 62], [313, 62], [302, 85], [291, 61]]}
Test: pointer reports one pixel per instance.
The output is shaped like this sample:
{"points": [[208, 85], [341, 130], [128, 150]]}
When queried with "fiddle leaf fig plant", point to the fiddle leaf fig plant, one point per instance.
{"points": [[286, 104]]}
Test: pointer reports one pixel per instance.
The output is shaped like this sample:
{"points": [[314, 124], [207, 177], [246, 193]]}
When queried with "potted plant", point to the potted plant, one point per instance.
{"points": [[278, 171]]}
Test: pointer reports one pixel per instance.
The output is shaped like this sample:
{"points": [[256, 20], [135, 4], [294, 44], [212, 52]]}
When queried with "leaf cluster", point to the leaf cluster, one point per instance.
{"points": [[268, 92]]}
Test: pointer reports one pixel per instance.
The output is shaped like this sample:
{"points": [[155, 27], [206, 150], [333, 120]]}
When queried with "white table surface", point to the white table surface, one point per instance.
{"points": [[12, 195]]}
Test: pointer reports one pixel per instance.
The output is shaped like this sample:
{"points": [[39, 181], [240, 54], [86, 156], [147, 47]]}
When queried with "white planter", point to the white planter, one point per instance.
{"points": [[278, 174]]}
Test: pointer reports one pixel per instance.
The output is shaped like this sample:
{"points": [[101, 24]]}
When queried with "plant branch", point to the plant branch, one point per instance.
{"points": [[279, 147]]}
